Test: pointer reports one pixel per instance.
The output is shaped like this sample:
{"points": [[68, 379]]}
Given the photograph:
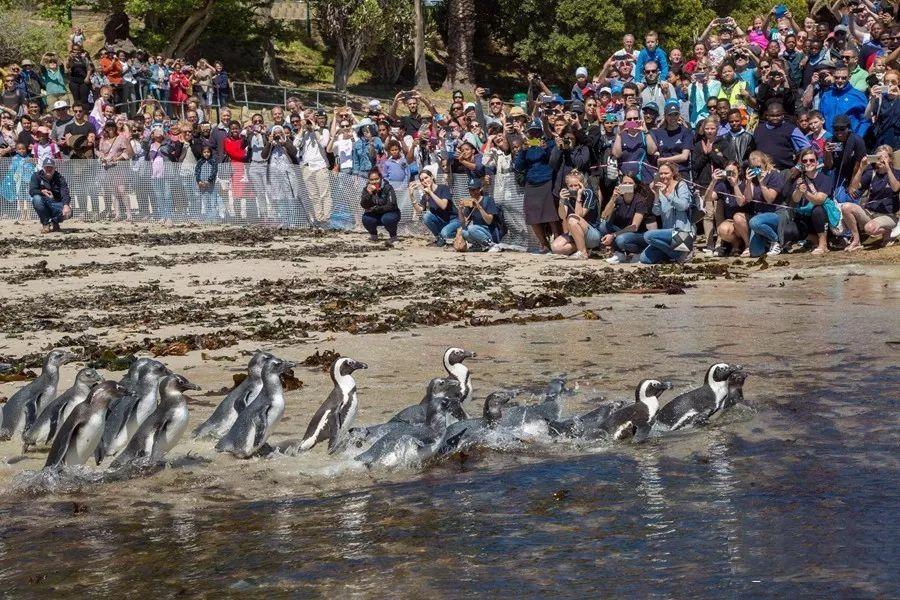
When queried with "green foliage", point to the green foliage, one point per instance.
{"points": [[21, 36]]}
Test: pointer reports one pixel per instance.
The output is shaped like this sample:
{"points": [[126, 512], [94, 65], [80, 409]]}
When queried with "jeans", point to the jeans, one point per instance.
{"points": [[478, 235], [629, 243], [388, 220], [442, 230], [763, 231], [162, 195], [212, 207], [191, 195], [48, 210], [659, 247]]}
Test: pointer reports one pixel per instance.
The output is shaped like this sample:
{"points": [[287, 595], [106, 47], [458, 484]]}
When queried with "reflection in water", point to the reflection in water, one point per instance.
{"points": [[353, 518], [723, 487]]}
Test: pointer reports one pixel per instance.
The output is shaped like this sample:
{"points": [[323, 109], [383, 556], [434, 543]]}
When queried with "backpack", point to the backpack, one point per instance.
{"points": [[502, 228]]}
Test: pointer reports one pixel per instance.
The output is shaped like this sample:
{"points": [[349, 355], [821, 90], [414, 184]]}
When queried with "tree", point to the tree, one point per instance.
{"points": [[347, 27], [419, 66], [460, 39], [390, 47]]}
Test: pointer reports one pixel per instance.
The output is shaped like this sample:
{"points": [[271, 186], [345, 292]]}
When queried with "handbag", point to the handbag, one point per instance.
{"points": [[459, 242], [682, 241]]}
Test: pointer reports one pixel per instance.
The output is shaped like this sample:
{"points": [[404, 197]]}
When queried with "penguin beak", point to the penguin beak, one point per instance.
{"points": [[667, 385], [359, 365], [286, 366], [735, 369], [469, 354], [192, 386], [69, 356]]}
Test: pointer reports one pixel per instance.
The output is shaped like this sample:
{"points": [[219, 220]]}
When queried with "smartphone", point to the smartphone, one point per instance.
{"points": [[545, 98], [626, 188], [406, 96], [395, 131], [533, 142], [487, 92], [873, 158]]}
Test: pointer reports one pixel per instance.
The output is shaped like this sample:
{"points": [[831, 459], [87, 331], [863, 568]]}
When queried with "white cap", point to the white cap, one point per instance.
{"points": [[581, 72], [60, 104], [374, 104], [469, 106], [363, 123]]}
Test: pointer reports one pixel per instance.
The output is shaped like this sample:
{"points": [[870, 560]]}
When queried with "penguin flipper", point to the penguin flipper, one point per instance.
{"points": [[453, 441], [259, 431], [333, 428], [62, 440], [30, 414]]}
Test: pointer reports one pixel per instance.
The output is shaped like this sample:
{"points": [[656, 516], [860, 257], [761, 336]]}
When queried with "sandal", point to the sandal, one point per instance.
{"points": [[853, 247], [819, 251]]}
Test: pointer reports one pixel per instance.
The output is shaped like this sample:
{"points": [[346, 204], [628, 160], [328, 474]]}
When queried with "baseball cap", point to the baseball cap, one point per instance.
{"points": [[672, 106], [581, 72], [26, 63], [841, 27], [516, 111], [49, 162], [59, 104], [577, 106], [841, 121], [651, 106], [535, 125], [469, 106], [557, 99], [605, 90], [374, 105], [474, 183]]}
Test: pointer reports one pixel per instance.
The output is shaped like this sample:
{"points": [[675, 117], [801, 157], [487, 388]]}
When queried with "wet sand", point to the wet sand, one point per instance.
{"points": [[798, 323]]}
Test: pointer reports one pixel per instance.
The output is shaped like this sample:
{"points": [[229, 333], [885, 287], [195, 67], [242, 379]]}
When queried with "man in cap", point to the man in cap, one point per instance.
{"points": [[61, 118], [674, 142], [650, 112], [844, 153], [50, 196], [32, 81], [481, 222]]}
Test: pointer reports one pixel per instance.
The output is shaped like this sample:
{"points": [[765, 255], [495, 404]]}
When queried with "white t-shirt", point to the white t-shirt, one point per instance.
{"points": [[343, 152], [314, 150]]}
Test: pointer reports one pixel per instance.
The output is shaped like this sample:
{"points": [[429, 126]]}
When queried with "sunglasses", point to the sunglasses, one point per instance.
{"points": [[629, 95], [632, 118], [650, 71], [809, 161], [496, 103]]}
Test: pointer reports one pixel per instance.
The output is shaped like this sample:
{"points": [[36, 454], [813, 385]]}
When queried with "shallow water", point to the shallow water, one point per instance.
{"points": [[793, 496]]}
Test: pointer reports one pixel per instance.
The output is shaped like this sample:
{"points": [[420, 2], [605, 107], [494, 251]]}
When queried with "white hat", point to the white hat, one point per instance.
{"points": [[581, 72], [469, 106], [375, 104], [59, 104], [363, 123]]}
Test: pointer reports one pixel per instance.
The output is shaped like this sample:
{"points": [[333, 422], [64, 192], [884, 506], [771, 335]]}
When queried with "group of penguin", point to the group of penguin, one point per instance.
{"points": [[142, 417]]}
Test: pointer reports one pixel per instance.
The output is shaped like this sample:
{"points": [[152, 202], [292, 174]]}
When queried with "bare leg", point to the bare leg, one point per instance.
{"points": [[541, 235], [577, 227], [853, 215], [742, 229]]}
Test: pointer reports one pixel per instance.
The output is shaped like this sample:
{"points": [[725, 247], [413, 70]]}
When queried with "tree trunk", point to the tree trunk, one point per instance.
{"points": [[346, 61], [190, 31], [419, 49], [269, 64], [461, 35]]}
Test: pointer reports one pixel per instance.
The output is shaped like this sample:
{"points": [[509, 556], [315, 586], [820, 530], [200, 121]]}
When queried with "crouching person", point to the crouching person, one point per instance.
{"points": [[50, 196], [379, 203], [480, 217], [579, 212]]}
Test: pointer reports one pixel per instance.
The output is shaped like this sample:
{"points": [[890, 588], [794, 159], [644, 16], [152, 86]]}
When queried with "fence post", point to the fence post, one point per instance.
{"points": [[284, 96], [246, 104]]}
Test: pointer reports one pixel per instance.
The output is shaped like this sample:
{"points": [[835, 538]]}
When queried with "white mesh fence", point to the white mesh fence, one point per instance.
{"points": [[244, 194]]}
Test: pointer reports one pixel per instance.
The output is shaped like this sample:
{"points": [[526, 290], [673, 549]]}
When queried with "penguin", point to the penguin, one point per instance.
{"points": [[466, 433], [131, 377], [81, 432], [255, 423], [548, 410], [735, 389], [236, 401], [43, 430], [22, 410], [696, 406], [164, 427], [453, 364], [127, 414], [578, 425], [334, 418], [417, 443], [358, 437], [635, 418]]}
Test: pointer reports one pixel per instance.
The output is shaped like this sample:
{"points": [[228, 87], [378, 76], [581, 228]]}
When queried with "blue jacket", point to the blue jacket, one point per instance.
{"points": [[658, 56], [848, 101], [534, 162], [362, 161]]}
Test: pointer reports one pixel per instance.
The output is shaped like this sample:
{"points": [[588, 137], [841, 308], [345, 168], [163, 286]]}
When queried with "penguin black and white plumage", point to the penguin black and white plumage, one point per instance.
{"points": [[131, 376], [577, 426], [468, 432], [735, 389], [636, 418], [236, 401], [43, 430], [256, 422], [81, 432], [456, 369], [127, 414], [547, 411], [164, 427], [407, 444], [24, 407], [696, 406], [335, 417]]}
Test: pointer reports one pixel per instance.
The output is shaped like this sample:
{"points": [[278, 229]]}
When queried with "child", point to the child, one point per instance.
{"points": [[211, 205], [15, 184]]}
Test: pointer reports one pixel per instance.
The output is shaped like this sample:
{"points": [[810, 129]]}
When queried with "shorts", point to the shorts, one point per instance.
{"points": [[592, 237], [881, 220]]}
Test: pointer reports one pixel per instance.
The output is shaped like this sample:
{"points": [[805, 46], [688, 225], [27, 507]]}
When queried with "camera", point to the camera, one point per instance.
{"points": [[567, 143], [487, 91]]}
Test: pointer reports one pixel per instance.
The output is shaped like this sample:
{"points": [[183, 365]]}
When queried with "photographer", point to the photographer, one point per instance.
{"points": [[413, 121], [634, 147], [879, 184], [775, 89], [495, 106], [313, 141], [379, 203], [532, 162], [568, 154], [340, 141], [366, 148], [884, 111], [440, 215], [579, 212], [479, 217], [280, 156], [732, 210], [674, 142], [626, 218], [703, 87], [844, 156]]}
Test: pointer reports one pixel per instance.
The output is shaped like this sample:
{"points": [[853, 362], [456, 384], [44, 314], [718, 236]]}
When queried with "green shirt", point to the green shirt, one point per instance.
{"points": [[54, 82], [858, 79]]}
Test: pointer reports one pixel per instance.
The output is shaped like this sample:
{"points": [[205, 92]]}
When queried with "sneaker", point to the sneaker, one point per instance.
{"points": [[775, 250], [617, 258], [578, 256], [54, 225], [495, 248], [393, 240], [440, 242], [685, 257], [46, 228], [708, 250], [540, 250], [720, 252], [373, 238], [895, 232]]}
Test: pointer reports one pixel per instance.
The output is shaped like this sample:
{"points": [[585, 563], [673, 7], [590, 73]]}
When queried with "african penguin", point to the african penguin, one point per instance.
{"points": [[578, 425], [127, 414], [468, 432], [546, 411], [81, 432], [236, 401], [255, 424], [696, 406], [453, 364], [629, 420], [24, 407], [43, 430], [164, 427], [131, 377], [334, 418], [407, 444]]}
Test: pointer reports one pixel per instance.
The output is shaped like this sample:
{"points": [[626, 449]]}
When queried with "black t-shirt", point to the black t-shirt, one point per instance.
{"points": [[882, 199], [623, 213], [822, 182], [851, 153], [672, 143], [411, 123], [12, 100], [728, 196], [445, 193], [76, 129], [775, 180]]}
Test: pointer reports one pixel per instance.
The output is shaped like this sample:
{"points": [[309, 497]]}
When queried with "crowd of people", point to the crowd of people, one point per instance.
{"points": [[779, 136]]}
